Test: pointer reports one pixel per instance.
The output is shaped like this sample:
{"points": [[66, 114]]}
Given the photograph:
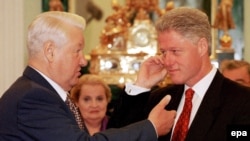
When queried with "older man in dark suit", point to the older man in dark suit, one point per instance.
{"points": [[34, 108]]}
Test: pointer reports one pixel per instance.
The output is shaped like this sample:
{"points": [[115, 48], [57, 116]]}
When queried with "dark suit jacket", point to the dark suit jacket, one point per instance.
{"points": [[31, 110], [225, 103]]}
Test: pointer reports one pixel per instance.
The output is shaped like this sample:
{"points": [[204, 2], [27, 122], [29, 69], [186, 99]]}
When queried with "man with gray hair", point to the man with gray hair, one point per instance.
{"points": [[236, 70]]}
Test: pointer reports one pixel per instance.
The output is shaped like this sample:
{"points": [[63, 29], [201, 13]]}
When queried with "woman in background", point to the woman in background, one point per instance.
{"points": [[92, 95]]}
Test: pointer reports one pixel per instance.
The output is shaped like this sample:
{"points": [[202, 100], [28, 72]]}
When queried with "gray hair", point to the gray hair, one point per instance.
{"points": [[234, 64], [189, 22], [50, 26]]}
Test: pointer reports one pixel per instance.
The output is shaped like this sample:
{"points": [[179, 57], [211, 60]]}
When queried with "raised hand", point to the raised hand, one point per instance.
{"points": [[151, 72], [162, 119]]}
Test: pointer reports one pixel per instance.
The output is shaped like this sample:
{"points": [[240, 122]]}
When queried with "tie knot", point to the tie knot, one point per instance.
{"points": [[68, 99], [189, 93]]}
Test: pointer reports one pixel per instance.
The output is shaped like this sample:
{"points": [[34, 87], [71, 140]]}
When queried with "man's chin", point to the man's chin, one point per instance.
{"points": [[176, 81]]}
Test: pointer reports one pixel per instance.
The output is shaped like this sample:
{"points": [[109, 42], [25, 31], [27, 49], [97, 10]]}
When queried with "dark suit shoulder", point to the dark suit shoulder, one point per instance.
{"points": [[231, 90]]}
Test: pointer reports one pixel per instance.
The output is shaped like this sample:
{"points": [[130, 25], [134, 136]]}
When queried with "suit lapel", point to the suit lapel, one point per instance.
{"points": [[208, 110]]}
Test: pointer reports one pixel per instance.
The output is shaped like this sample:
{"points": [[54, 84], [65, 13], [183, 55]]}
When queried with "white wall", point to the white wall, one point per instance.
{"points": [[15, 16], [11, 42]]}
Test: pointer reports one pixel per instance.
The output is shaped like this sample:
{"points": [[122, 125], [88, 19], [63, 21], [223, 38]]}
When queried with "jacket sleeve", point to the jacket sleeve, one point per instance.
{"points": [[44, 116], [129, 109], [139, 131]]}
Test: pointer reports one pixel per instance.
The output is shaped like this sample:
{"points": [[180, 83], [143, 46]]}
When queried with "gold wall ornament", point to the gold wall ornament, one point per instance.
{"points": [[127, 39], [170, 5], [147, 5], [226, 41], [224, 21], [114, 34], [142, 35]]}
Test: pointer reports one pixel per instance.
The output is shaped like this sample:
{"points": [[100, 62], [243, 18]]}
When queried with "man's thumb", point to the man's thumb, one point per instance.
{"points": [[164, 101]]}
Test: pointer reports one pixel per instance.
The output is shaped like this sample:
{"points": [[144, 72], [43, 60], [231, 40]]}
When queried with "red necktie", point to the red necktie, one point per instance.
{"points": [[181, 127]]}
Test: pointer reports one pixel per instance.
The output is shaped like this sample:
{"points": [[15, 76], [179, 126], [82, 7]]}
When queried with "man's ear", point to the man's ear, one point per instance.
{"points": [[49, 50], [203, 46]]}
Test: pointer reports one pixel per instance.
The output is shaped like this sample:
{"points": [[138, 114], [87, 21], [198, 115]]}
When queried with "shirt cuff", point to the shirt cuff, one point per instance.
{"points": [[133, 90]]}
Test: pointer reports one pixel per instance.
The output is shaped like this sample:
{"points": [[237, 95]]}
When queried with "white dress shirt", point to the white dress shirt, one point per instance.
{"points": [[59, 89]]}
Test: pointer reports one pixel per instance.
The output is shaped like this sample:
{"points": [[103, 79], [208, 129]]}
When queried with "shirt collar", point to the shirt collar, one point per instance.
{"points": [[201, 87], [62, 93]]}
